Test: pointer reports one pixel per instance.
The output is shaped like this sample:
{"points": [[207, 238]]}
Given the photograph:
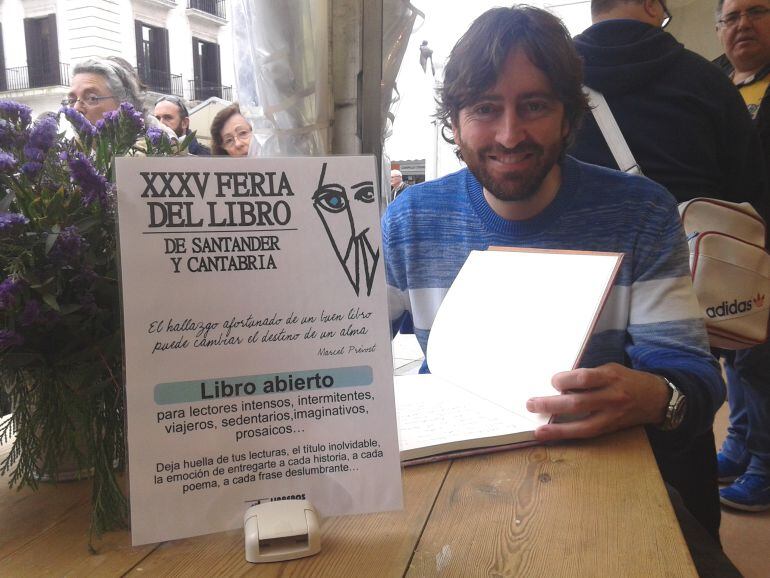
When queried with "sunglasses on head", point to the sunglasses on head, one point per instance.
{"points": [[177, 101]]}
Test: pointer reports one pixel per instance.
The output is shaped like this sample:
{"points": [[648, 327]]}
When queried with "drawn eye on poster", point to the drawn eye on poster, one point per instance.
{"points": [[258, 359], [344, 223]]}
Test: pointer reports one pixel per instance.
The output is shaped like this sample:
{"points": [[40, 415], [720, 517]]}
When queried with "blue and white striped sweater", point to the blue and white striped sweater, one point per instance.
{"points": [[651, 321]]}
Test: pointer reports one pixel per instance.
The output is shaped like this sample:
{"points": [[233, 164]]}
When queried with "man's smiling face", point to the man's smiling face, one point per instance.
{"points": [[512, 137]]}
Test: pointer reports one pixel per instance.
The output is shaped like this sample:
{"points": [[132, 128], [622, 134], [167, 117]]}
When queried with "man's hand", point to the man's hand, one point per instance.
{"points": [[610, 397]]}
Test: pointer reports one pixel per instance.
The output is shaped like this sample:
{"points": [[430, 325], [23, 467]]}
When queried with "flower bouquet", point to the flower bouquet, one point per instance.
{"points": [[60, 330]]}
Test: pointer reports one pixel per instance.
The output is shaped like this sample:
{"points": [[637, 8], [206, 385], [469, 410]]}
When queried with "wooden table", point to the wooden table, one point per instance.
{"points": [[594, 508]]}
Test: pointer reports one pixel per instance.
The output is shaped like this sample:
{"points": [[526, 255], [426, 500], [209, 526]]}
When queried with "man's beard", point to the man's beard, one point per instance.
{"points": [[513, 186]]}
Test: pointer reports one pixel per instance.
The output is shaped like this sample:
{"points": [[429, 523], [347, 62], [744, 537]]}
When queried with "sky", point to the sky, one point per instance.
{"points": [[445, 21]]}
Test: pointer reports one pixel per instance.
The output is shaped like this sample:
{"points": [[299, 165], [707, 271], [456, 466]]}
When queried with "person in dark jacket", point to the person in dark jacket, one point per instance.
{"points": [[688, 129], [171, 111], [743, 27], [683, 121]]}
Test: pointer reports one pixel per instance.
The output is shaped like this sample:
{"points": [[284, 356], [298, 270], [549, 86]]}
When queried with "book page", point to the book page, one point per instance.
{"points": [[514, 318], [431, 412]]}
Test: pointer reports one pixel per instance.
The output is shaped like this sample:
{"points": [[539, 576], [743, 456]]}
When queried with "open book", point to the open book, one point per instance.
{"points": [[511, 320]]}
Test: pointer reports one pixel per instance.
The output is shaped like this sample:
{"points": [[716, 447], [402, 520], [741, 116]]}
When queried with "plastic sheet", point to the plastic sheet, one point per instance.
{"points": [[282, 71], [281, 74]]}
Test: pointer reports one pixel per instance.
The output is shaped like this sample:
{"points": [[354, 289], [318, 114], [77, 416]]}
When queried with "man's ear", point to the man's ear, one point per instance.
{"points": [[651, 7], [185, 123]]}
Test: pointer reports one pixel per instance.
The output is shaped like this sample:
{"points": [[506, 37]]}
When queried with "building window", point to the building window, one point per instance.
{"points": [[208, 80], [42, 51], [213, 7], [152, 59]]}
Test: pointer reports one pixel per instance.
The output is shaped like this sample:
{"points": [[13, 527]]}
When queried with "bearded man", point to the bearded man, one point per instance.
{"points": [[511, 102]]}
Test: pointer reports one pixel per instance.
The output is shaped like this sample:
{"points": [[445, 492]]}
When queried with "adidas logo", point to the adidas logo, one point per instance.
{"points": [[759, 300], [725, 308]]}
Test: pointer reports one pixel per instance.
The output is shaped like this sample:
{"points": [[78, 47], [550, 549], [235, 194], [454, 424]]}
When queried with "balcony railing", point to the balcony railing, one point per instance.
{"points": [[213, 7], [161, 81], [201, 90], [25, 77]]}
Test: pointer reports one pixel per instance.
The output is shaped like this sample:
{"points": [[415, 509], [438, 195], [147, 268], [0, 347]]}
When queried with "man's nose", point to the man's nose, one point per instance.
{"points": [[510, 130], [79, 106], [744, 21]]}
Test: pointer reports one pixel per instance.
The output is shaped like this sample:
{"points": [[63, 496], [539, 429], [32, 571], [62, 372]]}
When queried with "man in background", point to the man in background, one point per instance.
{"points": [[511, 101], [689, 131], [171, 111], [743, 27], [397, 184]]}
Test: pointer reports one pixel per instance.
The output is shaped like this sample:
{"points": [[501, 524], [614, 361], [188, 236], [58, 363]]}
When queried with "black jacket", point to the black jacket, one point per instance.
{"points": [[685, 123], [197, 149]]}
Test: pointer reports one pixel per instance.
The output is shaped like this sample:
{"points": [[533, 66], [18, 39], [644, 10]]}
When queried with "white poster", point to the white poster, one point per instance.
{"points": [[258, 359]]}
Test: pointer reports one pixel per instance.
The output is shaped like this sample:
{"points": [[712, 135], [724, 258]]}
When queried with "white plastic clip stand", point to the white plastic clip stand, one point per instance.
{"points": [[282, 530]]}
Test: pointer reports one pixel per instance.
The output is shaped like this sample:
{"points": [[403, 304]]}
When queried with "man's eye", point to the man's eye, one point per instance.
{"points": [[484, 109], [534, 108], [365, 194], [331, 198]]}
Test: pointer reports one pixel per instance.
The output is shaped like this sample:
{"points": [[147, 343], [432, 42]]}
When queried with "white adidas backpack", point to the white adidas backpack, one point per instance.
{"points": [[730, 270]]}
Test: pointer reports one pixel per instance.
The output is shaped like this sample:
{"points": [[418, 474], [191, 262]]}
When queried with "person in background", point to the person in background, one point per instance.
{"points": [[689, 131], [99, 85], [397, 184], [231, 133], [172, 112], [743, 27], [511, 102]]}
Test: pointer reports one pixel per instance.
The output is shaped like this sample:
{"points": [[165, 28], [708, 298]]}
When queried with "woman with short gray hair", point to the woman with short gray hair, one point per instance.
{"points": [[99, 85]]}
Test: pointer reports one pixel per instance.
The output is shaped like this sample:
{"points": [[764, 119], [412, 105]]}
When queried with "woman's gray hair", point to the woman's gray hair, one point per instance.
{"points": [[119, 75]]}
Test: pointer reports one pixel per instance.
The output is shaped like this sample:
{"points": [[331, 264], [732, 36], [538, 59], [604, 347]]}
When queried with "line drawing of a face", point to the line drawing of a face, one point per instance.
{"points": [[354, 250]]}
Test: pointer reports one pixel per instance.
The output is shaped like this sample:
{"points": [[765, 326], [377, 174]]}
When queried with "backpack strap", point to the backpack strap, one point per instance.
{"points": [[611, 131]]}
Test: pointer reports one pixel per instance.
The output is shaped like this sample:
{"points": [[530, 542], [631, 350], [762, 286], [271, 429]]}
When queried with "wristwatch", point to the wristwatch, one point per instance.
{"points": [[677, 406]]}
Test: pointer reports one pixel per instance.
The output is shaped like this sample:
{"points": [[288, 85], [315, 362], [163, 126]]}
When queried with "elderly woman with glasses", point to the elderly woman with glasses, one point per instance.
{"points": [[230, 132], [99, 85]]}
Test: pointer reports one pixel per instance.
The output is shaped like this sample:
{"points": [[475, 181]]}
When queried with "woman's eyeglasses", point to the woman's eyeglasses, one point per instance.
{"points": [[242, 135], [90, 100]]}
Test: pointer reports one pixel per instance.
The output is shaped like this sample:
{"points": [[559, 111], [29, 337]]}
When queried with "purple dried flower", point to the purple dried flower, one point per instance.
{"points": [[15, 112], [68, 246], [31, 314], [9, 289], [10, 221], [155, 134], [33, 153], [34, 314], [79, 122], [93, 185], [43, 134], [7, 162], [10, 338], [31, 169], [134, 117], [8, 134]]}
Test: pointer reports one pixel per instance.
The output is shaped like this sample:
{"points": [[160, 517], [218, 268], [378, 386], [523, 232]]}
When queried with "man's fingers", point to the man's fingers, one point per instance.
{"points": [[584, 378], [568, 403], [589, 427]]}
